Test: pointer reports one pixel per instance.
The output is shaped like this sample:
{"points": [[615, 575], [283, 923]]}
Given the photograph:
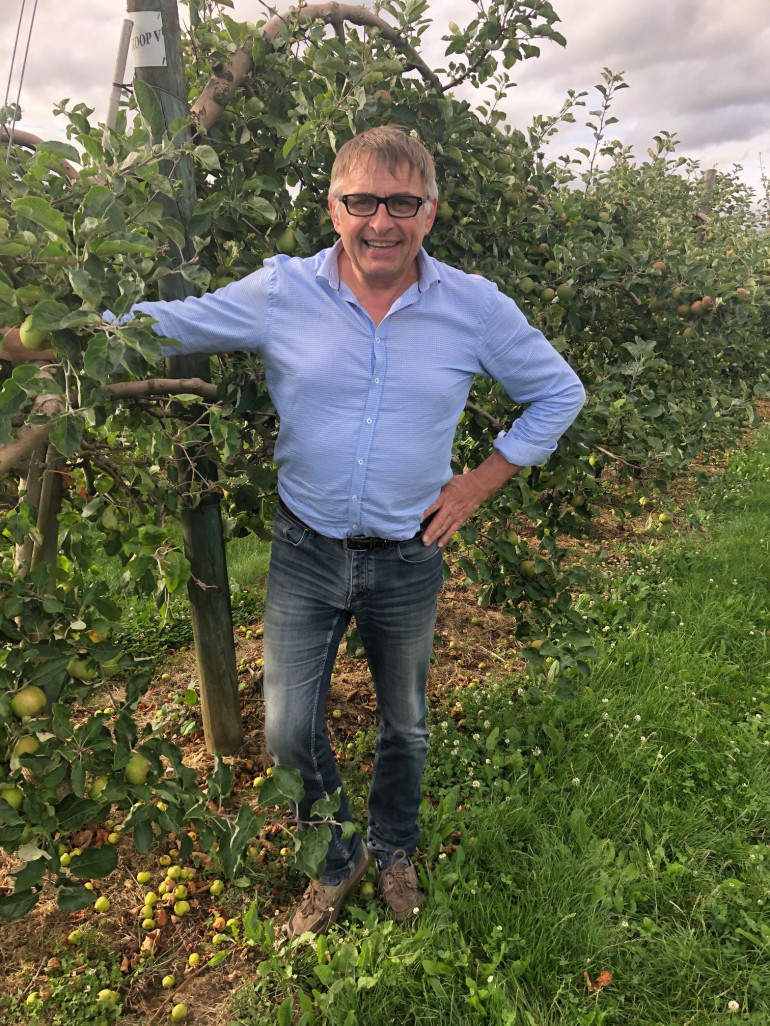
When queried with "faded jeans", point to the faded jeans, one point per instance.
{"points": [[314, 587]]}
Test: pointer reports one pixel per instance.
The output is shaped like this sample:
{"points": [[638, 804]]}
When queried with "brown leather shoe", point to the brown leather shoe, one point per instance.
{"points": [[321, 904], [399, 889]]}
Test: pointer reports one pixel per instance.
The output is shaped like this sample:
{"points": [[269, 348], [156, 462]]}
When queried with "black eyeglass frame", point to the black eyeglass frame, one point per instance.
{"points": [[419, 200]]}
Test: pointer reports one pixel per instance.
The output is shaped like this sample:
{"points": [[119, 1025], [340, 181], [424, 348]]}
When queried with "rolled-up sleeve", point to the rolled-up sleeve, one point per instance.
{"points": [[533, 373]]}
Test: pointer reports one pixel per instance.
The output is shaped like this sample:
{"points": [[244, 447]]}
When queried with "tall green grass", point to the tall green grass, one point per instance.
{"points": [[627, 831]]}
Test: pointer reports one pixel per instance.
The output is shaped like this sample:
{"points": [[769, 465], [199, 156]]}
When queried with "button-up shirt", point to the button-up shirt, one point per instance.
{"points": [[368, 411]]}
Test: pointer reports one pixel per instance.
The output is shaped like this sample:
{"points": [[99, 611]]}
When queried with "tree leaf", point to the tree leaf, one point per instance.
{"points": [[221, 780], [207, 156], [14, 906], [150, 107], [38, 210], [103, 357], [313, 845], [325, 807], [284, 786], [74, 897], [47, 315], [94, 863], [67, 434]]}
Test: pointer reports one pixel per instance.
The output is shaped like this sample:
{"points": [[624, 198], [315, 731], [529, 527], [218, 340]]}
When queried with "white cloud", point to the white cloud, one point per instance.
{"points": [[697, 68]]}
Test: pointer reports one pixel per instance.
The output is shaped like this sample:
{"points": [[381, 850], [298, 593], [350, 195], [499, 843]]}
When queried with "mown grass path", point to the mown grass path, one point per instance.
{"points": [[626, 832]]}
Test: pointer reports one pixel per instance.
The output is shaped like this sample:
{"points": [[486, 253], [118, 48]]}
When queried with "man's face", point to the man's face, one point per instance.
{"points": [[382, 249]]}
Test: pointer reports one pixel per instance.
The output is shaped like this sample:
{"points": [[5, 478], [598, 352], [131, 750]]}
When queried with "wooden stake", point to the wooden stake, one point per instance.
{"points": [[208, 588]]}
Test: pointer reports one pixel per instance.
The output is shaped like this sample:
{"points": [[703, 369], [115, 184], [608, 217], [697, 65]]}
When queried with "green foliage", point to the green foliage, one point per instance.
{"points": [[575, 242]]}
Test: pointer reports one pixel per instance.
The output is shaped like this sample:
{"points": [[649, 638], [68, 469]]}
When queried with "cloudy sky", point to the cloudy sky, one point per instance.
{"points": [[697, 68]]}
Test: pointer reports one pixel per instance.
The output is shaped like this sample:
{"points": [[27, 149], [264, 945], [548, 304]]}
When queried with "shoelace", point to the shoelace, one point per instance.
{"points": [[315, 900]]}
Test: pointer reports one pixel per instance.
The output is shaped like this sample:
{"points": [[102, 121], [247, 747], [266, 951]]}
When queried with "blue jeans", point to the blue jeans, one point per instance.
{"points": [[314, 587]]}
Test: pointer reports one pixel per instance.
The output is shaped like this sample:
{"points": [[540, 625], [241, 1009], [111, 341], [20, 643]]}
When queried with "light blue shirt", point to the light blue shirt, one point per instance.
{"points": [[368, 412]]}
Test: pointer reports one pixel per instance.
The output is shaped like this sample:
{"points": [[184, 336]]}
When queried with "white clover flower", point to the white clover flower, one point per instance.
{"points": [[576, 781], [624, 924], [733, 1006], [442, 855], [476, 784], [605, 701], [536, 752], [637, 718], [490, 979]]}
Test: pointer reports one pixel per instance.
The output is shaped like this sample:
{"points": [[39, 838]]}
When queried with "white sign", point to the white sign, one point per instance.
{"points": [[148, 47]]}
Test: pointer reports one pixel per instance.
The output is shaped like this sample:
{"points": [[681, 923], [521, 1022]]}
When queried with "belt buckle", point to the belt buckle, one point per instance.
{"points": [[358, 543]]}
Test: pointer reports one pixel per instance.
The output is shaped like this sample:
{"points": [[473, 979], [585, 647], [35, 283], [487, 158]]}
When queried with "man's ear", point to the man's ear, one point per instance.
{"points": [[334, 211], [430, 216]]}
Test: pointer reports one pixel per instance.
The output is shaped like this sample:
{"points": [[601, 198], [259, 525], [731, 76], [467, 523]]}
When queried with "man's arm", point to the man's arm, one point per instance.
{"points": [[463, 494], [13, 349]]}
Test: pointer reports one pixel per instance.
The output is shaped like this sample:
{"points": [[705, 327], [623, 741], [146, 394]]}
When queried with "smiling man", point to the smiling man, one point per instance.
{"points": [[370, 349]]}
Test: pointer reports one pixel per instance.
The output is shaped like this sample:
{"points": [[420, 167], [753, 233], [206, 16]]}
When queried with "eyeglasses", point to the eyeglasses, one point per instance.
{"points": [[362, 204]]}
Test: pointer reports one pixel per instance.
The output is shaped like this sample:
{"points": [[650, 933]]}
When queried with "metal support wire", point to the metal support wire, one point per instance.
{"points": [[13, 55], [23, 70]]}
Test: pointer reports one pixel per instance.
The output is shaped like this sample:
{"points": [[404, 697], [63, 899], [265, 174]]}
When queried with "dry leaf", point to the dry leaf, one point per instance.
{"points": [[604, 979]]}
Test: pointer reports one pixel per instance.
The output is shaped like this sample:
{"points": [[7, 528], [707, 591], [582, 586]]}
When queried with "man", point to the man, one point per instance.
{"points": [[370, 349]]}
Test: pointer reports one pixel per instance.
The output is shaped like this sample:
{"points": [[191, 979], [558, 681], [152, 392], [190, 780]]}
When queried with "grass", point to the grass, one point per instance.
{"points": [[625, 832]]}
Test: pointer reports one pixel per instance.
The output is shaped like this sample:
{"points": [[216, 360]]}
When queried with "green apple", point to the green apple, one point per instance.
{"points": [[97, 785], [108, 998], [30, 701], [13, 795], [81, 670], [26, 745], [137, 769], [33, 338], [286, 242]]}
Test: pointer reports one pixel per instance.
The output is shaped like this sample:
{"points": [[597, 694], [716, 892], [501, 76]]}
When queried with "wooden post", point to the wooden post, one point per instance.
{"points": [[208, 588]]}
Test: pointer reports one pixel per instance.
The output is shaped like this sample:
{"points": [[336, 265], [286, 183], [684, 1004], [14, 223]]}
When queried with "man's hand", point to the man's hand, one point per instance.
{"points": [[462, 495], [13, 349]]}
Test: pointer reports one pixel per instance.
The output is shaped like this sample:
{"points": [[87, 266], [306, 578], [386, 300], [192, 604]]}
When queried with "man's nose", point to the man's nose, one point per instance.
{"points": [[380, 219]]}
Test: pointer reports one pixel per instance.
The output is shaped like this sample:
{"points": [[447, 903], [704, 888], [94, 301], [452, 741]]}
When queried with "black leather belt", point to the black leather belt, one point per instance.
{"points": [[358, 543]]}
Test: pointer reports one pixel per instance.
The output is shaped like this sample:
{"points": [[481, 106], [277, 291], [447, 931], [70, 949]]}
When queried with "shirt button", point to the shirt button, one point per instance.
{"points": [[355, 498], [360, 463], [368, 420], [376, 381]]}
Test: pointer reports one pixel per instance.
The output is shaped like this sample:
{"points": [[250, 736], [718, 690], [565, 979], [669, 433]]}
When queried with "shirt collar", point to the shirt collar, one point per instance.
{"points": [[329, 269]]}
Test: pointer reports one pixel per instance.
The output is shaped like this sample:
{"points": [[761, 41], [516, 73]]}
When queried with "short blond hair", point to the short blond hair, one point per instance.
{"points": [[389, 147]]}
